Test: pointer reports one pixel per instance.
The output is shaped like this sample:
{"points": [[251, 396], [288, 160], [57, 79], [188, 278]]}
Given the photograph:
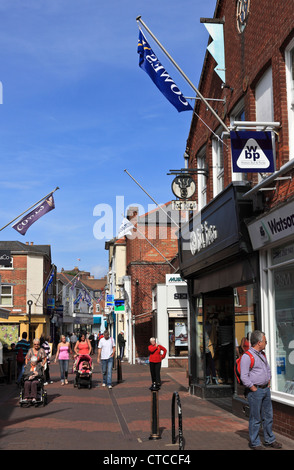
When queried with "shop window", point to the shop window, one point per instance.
{"points": [[223, 326], [178, 337], [6, 296], [283, 279]]}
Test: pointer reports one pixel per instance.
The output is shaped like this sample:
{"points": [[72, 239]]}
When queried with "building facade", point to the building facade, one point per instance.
{"points": [[236, 253], [26, 292]]}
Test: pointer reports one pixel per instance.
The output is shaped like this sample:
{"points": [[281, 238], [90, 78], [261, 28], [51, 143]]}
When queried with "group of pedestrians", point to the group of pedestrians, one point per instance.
{"points": [[41, 354]]}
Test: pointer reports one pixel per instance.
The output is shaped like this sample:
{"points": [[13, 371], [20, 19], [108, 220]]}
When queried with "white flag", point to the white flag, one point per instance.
{"points": [[125, 228]]}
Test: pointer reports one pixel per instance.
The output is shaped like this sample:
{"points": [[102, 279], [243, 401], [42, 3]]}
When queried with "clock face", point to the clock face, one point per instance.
{"points": [[242, 13]]}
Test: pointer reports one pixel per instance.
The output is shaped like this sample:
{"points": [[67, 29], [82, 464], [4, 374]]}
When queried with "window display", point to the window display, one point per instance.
{"points": [[283, 278], [178, 337]]}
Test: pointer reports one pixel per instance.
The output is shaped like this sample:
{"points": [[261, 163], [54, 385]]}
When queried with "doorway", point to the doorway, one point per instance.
{"points": [[219, 338]]}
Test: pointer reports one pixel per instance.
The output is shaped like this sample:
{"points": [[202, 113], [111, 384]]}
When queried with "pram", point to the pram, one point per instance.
{"points": [[83, 370], [41, 394]]}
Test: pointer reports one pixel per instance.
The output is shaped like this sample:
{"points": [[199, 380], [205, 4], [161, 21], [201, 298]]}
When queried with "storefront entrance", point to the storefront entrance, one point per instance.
{"points": [[224, 320]]}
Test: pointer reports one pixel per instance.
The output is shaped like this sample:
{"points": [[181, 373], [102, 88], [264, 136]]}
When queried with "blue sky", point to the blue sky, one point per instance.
{"points": [[77, 110]]}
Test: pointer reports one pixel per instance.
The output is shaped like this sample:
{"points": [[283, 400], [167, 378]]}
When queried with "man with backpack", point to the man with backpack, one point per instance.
{"points": [[21, 350], [256, 376]]}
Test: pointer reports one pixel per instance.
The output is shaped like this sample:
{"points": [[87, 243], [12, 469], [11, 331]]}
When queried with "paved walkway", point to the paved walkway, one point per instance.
{"points": [[119, 419]]}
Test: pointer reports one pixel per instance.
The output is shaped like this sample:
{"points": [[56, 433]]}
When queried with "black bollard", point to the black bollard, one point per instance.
{"points": [[119, 372], [155, 434]]}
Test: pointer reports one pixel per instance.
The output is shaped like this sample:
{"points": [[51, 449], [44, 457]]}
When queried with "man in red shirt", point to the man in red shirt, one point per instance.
{"points": [[157, 353]]}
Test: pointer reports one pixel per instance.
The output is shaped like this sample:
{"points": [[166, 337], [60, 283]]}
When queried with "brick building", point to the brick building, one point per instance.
{"points": [[150, 253], [24, 279], [237, 252]]}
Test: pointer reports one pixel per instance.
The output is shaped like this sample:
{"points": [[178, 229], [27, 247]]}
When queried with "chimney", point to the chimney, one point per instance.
{"points": [[32, 243]]}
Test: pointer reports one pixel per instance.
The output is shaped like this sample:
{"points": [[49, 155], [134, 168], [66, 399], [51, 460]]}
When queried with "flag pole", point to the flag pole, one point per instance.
{"points": [[138, 19], [153, 200], [43, 198]]}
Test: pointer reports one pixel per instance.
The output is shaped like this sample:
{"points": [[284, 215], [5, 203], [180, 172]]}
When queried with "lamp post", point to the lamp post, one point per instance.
{"points": [[30, 303]]}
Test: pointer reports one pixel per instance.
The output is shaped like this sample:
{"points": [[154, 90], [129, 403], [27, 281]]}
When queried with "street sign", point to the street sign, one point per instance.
{"points": [[184, 205]]}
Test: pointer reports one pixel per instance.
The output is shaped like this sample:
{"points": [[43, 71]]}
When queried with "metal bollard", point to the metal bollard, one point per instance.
{"points": [[155, 434], [119, 371], [176, 396]]}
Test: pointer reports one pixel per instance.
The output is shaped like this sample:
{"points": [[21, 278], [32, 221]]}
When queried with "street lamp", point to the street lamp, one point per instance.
{"points": [[30, 303]]}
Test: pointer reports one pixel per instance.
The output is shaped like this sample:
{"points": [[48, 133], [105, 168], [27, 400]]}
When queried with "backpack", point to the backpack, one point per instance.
{"points": [[237, 368], [20, 356]]}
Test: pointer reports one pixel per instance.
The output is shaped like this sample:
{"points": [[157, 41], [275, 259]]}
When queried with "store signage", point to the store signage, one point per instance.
{"points": [[5, 258], [180, 296], [183, 186], [273, 227], [175, 280], [119, 306], [109, 300], [202, 237], [252, 151], [184, 206]]}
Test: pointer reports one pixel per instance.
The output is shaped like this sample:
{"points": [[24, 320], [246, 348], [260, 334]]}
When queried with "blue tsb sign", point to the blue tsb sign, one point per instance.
{"points": [[252, 151]]}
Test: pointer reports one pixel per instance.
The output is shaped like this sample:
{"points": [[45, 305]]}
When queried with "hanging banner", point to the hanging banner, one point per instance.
{"points": [[252, 151]]}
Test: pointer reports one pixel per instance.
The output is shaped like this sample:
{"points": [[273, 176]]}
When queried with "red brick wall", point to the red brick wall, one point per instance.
{"points": [[268, 32], [283, 420], [17, 276], [148, 268]]}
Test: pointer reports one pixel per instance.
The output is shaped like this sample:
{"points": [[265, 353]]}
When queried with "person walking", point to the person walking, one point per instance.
{"points": [[24, 346], [121, 342], [44, 342], [62, 354], [83, 346], [37, 351], [257, 381], [156, 354], [106, 351], [73, 341]]}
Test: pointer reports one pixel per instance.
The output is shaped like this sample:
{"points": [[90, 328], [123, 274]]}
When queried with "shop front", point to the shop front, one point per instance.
{"points": [[272, 235], [222, 273], [169, 306]]}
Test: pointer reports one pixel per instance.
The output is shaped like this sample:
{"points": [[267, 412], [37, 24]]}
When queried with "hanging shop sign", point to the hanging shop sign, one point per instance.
{"points": [[5, 258], [252, 151], [183, 186], [184, 206]]}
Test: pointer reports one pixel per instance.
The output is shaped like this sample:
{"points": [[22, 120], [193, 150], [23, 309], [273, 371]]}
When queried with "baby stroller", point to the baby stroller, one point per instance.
{"points": [[83, 369], [41, 394]]}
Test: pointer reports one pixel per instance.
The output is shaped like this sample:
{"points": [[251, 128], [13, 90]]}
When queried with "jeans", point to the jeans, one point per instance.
{"points": [[107, 370], [20, 370], [121, 352], [63, 364], [261, 411]]}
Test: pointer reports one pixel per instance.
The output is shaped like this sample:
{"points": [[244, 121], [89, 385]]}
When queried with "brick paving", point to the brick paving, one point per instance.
{"points": [[119, 419]]}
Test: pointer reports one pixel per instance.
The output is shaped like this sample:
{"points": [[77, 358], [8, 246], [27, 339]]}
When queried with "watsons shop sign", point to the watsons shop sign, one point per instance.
{"points": [[275, 226]]}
